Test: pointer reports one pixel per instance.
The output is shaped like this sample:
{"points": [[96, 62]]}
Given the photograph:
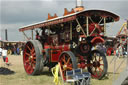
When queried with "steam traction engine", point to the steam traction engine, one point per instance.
{"points": [[69, 40], [122, 39]]}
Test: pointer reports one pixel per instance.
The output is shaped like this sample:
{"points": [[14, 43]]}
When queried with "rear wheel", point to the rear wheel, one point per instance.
{"points": [[33, 58], [67, 62], [97, 64]]}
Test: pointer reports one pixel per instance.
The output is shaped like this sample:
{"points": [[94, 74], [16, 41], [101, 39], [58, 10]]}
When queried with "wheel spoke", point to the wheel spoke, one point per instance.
{"points": [[27, 61], [33, 61], [69, 65], [64, 61], [63, 56], [95, 69], [101, 64], [29, 48], [34, 57], [100, 69], [68, 60], [29, 67], [27, 54], [101, 60], [96, 72], [33, 50], [33, 54], [95, 58], [70, 68], [88, 65]]}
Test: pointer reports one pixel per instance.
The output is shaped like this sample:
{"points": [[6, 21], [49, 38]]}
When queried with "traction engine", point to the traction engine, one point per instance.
{"points": [[69, 40]]}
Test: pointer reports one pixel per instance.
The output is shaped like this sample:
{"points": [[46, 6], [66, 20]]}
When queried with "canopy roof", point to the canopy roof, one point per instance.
{"points": [[92, 13]]}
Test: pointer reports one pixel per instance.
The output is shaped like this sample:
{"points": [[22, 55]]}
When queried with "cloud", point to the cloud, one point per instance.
{"points": [[17, 13]]}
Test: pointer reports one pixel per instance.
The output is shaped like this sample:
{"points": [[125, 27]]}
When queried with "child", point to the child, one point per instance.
{"points": [[4, 55]]}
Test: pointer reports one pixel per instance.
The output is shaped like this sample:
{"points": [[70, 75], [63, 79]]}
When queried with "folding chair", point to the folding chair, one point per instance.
{"points": [[70, 77], [77, 77], [82, 77], [87, 78]]}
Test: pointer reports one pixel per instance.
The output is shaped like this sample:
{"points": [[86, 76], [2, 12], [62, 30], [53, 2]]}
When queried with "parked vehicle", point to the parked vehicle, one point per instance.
{"points": [[68, 40]]}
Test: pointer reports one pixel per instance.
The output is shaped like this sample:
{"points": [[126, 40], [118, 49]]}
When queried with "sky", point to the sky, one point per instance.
{"points": [[18, 13]]}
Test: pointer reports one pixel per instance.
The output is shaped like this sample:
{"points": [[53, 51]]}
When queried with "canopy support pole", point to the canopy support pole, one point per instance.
{"points": [[87, 26], [127, 45], [71, 30], [25, 35], [104, 26], [32, 34]]}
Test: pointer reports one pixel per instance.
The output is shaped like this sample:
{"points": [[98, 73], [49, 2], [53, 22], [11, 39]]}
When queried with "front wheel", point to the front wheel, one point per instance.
{"points": [[97, 64], [67, 62]]}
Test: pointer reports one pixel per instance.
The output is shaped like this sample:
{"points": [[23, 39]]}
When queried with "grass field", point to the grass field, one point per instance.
{"points": [[19, 77]]}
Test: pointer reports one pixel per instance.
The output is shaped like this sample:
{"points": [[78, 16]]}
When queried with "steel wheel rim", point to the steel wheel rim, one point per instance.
{"points": [[96, 65], [29, 58], [65, 64]]}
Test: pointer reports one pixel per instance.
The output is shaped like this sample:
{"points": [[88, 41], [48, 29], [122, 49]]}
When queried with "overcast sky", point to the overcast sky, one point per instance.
{"points": [[17, 13]]}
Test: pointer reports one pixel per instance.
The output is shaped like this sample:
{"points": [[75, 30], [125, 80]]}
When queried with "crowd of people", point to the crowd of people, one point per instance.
{"points": [[10, 49], [14, 49]]}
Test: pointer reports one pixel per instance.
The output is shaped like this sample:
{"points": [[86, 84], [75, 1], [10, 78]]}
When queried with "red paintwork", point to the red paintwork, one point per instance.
{"points": [[96, 40], [82, 62], [92, 27], [55, 55], [56, 51], [26, 58], [109, 51]]}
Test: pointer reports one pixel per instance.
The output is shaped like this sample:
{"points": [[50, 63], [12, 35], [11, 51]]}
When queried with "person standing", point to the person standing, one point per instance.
{"points": [[14, 50], [18, 50], [4, 55], [0, 52]]}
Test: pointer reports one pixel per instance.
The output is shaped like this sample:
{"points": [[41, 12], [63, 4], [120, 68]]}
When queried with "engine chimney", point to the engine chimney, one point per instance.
{"points": [[6, 35], [78, 3], [79, 6], [127, 24]]}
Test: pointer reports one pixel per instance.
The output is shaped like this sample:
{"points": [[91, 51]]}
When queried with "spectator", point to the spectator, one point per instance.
{"points": [[0, 52], [14, 50], [18, 51], [4, 55], [117, 52], [120, 51], [104, 49]]}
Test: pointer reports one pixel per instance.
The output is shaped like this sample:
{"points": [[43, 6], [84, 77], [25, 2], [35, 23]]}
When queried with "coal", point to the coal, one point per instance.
{"points": [[5, 71]]}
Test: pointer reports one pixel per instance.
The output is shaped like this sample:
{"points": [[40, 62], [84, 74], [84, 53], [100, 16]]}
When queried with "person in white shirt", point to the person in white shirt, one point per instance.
{"points": [[4, 54], [0, 52]]}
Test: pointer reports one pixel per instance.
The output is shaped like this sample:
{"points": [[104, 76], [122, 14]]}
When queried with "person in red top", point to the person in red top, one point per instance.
{"points": [[4, 55]]}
